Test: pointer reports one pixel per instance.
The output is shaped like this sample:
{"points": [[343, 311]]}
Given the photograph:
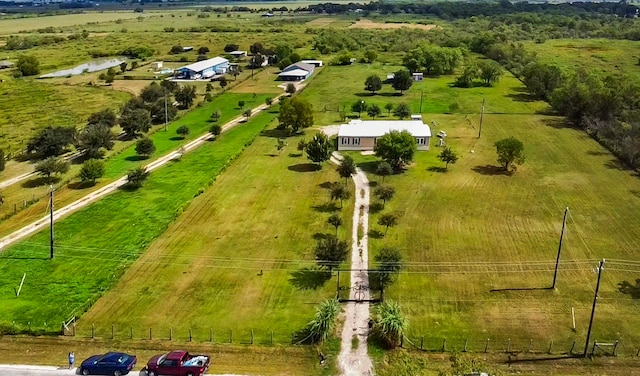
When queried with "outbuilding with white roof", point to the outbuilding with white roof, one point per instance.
{"points": [[362, 134], [203, 69]]}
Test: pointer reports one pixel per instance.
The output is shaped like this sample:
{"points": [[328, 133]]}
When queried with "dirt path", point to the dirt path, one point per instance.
{"points": [[355, 361], [109, 188]]}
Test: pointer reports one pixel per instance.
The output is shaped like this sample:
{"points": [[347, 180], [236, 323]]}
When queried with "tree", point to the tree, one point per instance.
{"points": [[169, 86], [52, 166], [388, 220], [215, 130], [370, 56], [176, 50], [291, 88], [183, 131], [28, 65], [159, 110], [223, 81], [123, 66], [51, 141], [94, 138], [145, 147], [396, 148], [324, 320], [231, 47], [268, 101], [402, 80], [136, 177], [374, 111], [335, 220], [256, 48], [389, 262], [105, 117], [152, 92], [203, 50], [384, 169], [542, 79], [256, 61], [359, 107], [215, 115], [389, 323], [340, 192], [389, 107], [296, 114], [241, 104], [185, 96], [91, 170], [510, 151], [247, 113], [346, 168], [373, 83], [402, 111], [133, 122], [385, 193], [280, 144], [490, 71], [469, 74], [447, 155], [319, 148], [330, 252]]}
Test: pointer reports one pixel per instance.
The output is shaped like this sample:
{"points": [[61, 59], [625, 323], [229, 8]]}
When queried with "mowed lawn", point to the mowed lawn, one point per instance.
{"points": [[473, 229], [95, 245], [339, 87], [235, 259]]}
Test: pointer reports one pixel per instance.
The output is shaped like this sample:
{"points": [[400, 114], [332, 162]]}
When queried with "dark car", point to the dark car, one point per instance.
{"points": [[113, 363]]}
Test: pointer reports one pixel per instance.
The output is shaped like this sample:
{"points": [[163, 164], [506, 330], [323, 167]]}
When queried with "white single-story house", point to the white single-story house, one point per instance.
{"points": [[296, 72], [417, 77], [203, 69], [315, 63], [156, 66], [238, 54], [363, 134]]}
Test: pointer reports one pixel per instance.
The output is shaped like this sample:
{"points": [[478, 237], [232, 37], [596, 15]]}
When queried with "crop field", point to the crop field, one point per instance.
{"points": [[15, 25], [616, 56], [336, 87]]}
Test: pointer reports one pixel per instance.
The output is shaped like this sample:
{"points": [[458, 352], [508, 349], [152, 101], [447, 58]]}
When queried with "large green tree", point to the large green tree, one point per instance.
{"points": [[295, 114], [396, 148], [330, 252], [185, 96], [447, 155], [51, 141], [145, 147], [385, 193], [542, 79], [136, 177], [135, 121], [106, 117], [510, 151], [152, 93], [402, 80], [340, 192], [389, 262], [91, 170], [388, 220], [346, 168], [28, 65], [94, 138], [52, 166], [319, 148], [373, 83], [490, 71], [402, 111]]}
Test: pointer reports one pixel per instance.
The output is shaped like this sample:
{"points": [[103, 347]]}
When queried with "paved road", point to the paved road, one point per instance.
{"points": [[109, 188], [22, 370]]}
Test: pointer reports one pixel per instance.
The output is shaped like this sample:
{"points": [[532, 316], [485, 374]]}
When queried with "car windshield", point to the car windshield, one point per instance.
{"points": [[114, 358]]}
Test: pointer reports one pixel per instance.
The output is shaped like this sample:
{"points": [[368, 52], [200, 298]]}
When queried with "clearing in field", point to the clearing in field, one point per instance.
{"points": [[368, 24]]}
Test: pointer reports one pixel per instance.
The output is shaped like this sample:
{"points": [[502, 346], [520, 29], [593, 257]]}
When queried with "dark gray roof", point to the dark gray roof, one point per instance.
{"points": [[305, 66]]}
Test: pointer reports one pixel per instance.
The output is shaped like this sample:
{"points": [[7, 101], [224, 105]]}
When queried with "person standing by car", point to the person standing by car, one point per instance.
{"points": [[72, 359]]}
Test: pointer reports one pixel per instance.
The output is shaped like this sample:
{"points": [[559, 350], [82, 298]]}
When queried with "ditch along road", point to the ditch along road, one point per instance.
{"points": [[111, 187], [22, 370], [355, 361]]}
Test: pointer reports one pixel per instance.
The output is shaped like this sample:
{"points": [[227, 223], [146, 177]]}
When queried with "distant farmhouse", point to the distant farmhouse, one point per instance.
{"points": [[203, 69], [298, 71], [363, 134]]}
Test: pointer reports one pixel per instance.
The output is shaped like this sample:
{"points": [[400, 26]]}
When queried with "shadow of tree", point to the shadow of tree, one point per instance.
{"points": [[39, 181], [304, 167], [321, 236], [376, 234], [309, 278], [437, 169], [275, 133], [295, 155], [491, 170], [632, 290], [135, 158], [328, 207], [177, 138], [373, 184], [81, 184], [327, 184], [375, 208]]}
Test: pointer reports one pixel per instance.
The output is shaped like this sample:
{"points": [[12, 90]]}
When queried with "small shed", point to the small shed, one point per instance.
{"points": [[5, 64], [187, 48], [316, 63], [156, 66], [390, 77], [238, 54], [417, 76]]}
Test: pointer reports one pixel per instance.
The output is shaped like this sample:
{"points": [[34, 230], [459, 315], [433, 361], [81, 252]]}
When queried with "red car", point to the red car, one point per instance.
{"points": [[178, 363]]}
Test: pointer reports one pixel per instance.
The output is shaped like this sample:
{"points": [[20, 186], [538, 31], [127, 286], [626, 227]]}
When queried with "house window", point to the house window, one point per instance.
{"points": [[420, 140], [345, 140], [356, 141]]}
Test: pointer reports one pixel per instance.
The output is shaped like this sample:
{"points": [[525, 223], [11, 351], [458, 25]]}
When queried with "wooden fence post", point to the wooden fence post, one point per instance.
{"points": [[466, 342], [530, 344], [170, 334], [272, 337], [190, 335], [150, 335], [486, 346], [509, 345], [252, 336], [572, 347], [93, 331], [550, 346], [444, 344], [422, 343], [211, 335], [615, 348], [593, 351], [111, 331], [230, 335], [131, 332]]}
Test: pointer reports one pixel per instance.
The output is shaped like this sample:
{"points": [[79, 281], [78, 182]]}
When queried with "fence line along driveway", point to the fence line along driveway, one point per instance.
{"points": [[111, 187]]}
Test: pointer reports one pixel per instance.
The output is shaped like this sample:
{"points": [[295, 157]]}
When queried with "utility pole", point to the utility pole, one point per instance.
{"points": [[51, 223], [564, 223], [593, 308], [481, 116], [420, 102], [165, 111]]}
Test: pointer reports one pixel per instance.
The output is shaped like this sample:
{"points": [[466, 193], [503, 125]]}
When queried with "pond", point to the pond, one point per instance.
{"points": [[92, 66]]}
